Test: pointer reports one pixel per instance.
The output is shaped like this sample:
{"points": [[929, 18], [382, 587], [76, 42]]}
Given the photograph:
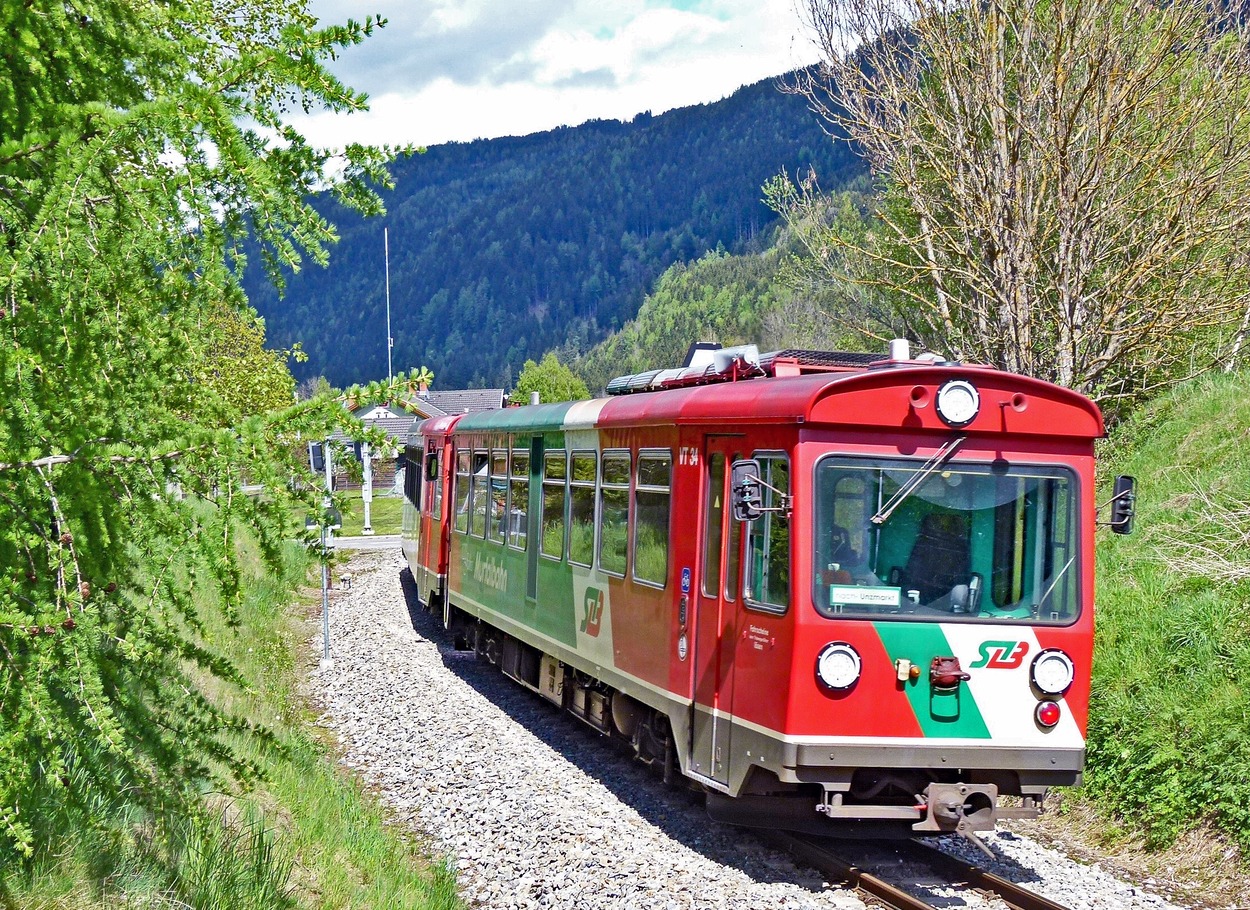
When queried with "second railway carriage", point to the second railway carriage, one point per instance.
{"points": [[842, 596]]}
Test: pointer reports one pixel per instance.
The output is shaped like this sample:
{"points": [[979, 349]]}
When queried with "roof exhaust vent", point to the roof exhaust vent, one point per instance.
{"points": [[900, 349]]}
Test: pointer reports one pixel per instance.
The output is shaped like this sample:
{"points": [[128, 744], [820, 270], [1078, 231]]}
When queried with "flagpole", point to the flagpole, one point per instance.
{"points": [[390, 342]]}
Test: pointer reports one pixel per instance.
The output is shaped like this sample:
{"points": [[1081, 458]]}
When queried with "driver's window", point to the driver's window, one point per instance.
{"points": [[767, 585], [849, 535]]}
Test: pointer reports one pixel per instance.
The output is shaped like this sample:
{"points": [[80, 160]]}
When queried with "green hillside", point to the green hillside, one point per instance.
{"points": [[502, 249], [732, 299], [1170, 719]]}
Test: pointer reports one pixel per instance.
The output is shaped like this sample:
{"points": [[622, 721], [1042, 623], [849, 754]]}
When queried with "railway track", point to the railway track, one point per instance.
{"points": [[822, 855]]}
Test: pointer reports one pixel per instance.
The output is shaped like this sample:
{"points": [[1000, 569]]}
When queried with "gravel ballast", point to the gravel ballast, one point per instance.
{"points": [[535, 810]]}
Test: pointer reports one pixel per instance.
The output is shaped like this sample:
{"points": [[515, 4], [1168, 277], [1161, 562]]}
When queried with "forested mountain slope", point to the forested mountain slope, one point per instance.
{"points": [[501, 249], [754, 297]]}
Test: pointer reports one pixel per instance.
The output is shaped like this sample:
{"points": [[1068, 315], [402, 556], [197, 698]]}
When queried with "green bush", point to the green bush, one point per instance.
{"points": [[1170, 708]]}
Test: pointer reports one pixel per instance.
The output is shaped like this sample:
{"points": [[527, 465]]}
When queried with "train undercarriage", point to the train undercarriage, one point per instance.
{"points": [[858, 802]]}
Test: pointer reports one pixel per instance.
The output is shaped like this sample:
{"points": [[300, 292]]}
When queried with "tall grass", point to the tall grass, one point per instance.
{"points": [[307, 837], [1170, 717]]}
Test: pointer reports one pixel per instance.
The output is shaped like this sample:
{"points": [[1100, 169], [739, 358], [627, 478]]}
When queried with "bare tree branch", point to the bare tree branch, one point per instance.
{"points": [[1067, 185]]}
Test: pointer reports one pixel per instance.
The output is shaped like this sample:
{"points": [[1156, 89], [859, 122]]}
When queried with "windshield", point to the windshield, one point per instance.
{"points": [[994, 541]]}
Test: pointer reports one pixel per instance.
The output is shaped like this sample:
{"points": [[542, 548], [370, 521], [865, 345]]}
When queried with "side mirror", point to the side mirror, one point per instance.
{"points": [[744, 488], [1124, 504]]}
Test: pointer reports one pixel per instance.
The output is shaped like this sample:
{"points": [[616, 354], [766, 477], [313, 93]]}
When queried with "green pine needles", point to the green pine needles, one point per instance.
{"points": [[140, 143]]}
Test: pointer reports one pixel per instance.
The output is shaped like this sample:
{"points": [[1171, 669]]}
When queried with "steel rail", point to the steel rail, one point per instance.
{"points": [[957, 869], [842, 872]]}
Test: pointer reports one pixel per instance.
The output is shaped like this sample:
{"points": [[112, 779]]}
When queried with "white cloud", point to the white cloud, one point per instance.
{"points": [[448, 70]]}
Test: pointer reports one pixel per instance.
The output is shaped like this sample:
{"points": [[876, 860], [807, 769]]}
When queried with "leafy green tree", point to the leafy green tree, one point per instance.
{"points": [[140, 143], [237, 370], [551, 379], [1066, 183]]}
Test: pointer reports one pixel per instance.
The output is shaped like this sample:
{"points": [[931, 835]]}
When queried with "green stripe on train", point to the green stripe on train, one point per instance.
{"points": [[940, 714], [495, 576]]}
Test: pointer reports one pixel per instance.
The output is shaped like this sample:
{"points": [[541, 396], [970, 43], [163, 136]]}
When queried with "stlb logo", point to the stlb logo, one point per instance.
{"points": [[1001, 655], [592, 608]]}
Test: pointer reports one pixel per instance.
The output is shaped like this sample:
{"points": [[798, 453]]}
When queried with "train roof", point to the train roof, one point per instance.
{"points": [[889, 394]]}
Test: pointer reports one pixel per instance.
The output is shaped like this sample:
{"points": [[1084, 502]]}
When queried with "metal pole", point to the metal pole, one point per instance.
{"points": [[326, 661], [390, 342], [327, 538], [366, 489]]}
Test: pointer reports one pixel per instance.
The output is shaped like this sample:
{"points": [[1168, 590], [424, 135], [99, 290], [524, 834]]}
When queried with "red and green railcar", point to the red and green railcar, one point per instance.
{"points": [[839, 594]]}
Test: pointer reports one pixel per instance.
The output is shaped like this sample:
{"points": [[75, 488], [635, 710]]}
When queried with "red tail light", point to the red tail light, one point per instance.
{"points": [[1047, 713]]}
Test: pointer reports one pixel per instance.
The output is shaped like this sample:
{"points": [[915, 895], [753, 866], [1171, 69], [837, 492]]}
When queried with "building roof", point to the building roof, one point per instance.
{"points": [[396, 419], [464, 401]]}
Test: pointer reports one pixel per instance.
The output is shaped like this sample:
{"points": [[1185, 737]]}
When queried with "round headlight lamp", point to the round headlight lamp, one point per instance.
{"points": [[958, 402], [1053, 672], [838, 665]]}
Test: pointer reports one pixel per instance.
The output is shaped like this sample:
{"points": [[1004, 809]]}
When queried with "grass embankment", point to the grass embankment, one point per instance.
{"points": [[305, 837], [386, 514], [1170, 721]]}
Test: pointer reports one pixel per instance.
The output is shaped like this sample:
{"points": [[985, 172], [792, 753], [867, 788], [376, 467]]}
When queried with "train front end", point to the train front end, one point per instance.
{"points": [[939, 646]]}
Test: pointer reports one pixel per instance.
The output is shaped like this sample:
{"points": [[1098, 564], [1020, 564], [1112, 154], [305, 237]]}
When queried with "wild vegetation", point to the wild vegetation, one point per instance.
{"points": [[1170, 710], [142, 416], [302, 836], [1065, 186]]}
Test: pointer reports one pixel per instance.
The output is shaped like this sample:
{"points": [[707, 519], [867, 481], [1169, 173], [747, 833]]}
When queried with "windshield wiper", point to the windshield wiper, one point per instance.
{"points": [[1037, 607], [940, 458]]}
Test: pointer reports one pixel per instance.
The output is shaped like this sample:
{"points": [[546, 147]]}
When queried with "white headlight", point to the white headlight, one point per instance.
{"points": [[838, 665], [958, 402], [1053, 672]]}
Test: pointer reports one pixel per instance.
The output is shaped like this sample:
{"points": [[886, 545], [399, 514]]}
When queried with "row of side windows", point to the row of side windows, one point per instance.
{"points": [[578, 485], [412, 474], [492, 494]]}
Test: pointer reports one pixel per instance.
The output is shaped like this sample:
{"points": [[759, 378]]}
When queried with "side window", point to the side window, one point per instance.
{"points": [[712, 532], [767, 583], [614, 512], [462, 492], [481, 494], [437, 484], [519, 498], [651, 514], [582, 508], [555, 473], [498, 495]]}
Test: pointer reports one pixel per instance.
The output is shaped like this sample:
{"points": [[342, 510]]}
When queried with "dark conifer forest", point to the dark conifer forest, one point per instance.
{"points": [[502, 249]]}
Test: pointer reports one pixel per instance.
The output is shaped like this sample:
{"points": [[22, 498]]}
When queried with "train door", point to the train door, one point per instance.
{"points": [[716, 618], [428, 524]]}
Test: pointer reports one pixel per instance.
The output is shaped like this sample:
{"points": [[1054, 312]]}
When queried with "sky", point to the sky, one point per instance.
{"points": [[458, 70]]}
